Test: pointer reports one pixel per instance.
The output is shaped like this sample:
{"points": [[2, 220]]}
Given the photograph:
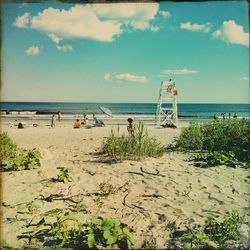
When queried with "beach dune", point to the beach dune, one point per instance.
{"points": [[149, 195]]}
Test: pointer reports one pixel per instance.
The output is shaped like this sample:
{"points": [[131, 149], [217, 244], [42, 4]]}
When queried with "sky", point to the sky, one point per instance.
{"points": [[121, 52]]}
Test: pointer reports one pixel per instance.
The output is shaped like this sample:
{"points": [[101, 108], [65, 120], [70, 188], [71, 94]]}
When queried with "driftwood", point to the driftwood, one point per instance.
{"points": [[152, 195], [157, 172], [135, 173], [57, 197]]}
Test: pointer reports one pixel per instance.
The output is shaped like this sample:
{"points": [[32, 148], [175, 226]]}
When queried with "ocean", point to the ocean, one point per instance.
{"points": [[185, 110]]}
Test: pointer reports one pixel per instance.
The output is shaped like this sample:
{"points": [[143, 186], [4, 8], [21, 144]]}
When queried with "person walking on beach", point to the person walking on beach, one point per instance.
{"points": [[59, 116], [53, 122]]}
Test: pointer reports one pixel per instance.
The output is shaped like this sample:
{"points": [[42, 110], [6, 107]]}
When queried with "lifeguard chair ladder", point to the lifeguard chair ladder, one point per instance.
{"points": [[167, 105]]}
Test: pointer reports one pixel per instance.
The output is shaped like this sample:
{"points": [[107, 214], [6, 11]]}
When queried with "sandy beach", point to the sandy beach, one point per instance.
{"points": [[150, 194]]}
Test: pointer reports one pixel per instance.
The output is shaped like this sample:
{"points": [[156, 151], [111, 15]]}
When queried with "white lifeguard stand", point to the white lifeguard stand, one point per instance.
{"points": [[167, 105]]}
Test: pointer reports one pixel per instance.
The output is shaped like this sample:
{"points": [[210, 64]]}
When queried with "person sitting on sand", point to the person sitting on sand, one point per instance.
{"points": [[85, 119], [168, 125], [77, 124], [131, 126], [98, 123]]}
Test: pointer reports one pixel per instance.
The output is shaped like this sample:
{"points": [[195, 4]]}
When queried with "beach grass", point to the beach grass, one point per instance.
{"points": [[131, 147]]}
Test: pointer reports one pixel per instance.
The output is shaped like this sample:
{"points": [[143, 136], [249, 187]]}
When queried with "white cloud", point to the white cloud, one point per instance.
{"points": [[154, 28], [244, 78], [165, 13], [196, 27], [125, 77], [231, 32], [22, 21], [107, 76], [34, 50], [54, 38], [178, 71], [64, 48], [101, 22]]}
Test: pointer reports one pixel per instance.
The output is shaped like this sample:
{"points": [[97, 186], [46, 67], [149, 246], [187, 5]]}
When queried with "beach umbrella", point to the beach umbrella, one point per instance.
{"points": [[106, 111]]}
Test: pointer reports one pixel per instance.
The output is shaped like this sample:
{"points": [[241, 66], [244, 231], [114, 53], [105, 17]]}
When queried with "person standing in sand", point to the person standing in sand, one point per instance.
{"points": [[131, 126], [59, 116], [53, 122]]}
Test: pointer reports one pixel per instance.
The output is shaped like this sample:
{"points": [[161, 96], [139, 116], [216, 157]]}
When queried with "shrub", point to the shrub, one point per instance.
{"points": [[191, 137], [26, 160], [8, 149], [131, 147], [215, 233], [221, 136]]}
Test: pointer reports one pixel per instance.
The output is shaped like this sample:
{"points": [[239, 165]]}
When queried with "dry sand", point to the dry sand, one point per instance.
{"points": [[146, 202]]}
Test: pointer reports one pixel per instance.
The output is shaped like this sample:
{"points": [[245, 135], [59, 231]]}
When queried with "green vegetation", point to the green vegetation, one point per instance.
{"points": [[14, 159], [63, 176], [25, 160], [149, 243], [8, 149], [215, 158], [61, 230], [109, 233], [129, 147], [217, 232], [220, 142]]}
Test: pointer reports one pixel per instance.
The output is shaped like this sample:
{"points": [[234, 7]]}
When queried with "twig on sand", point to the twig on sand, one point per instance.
{"points": [[57, 197], [89, 172], [124, 201], [141, 209], [152, 195], [131, 172], [126, 183], [157, 172]]}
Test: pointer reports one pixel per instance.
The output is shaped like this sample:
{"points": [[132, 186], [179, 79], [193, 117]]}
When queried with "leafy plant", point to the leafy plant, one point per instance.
{"points": [[98, 202], [63, 230], [215, 158], [26, 160], [8, 149], [109, 232], [32, 207], [107, 189], [223, 228], [121, 147], [64, 176], [215, 233]]}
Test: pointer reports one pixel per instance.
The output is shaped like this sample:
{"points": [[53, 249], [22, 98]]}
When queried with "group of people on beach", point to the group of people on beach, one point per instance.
{"points": [[225, 116], [77, 124], [131, 126]]}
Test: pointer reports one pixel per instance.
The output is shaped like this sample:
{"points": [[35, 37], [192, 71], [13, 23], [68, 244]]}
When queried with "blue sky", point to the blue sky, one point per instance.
{"points": [[122, 52]]}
